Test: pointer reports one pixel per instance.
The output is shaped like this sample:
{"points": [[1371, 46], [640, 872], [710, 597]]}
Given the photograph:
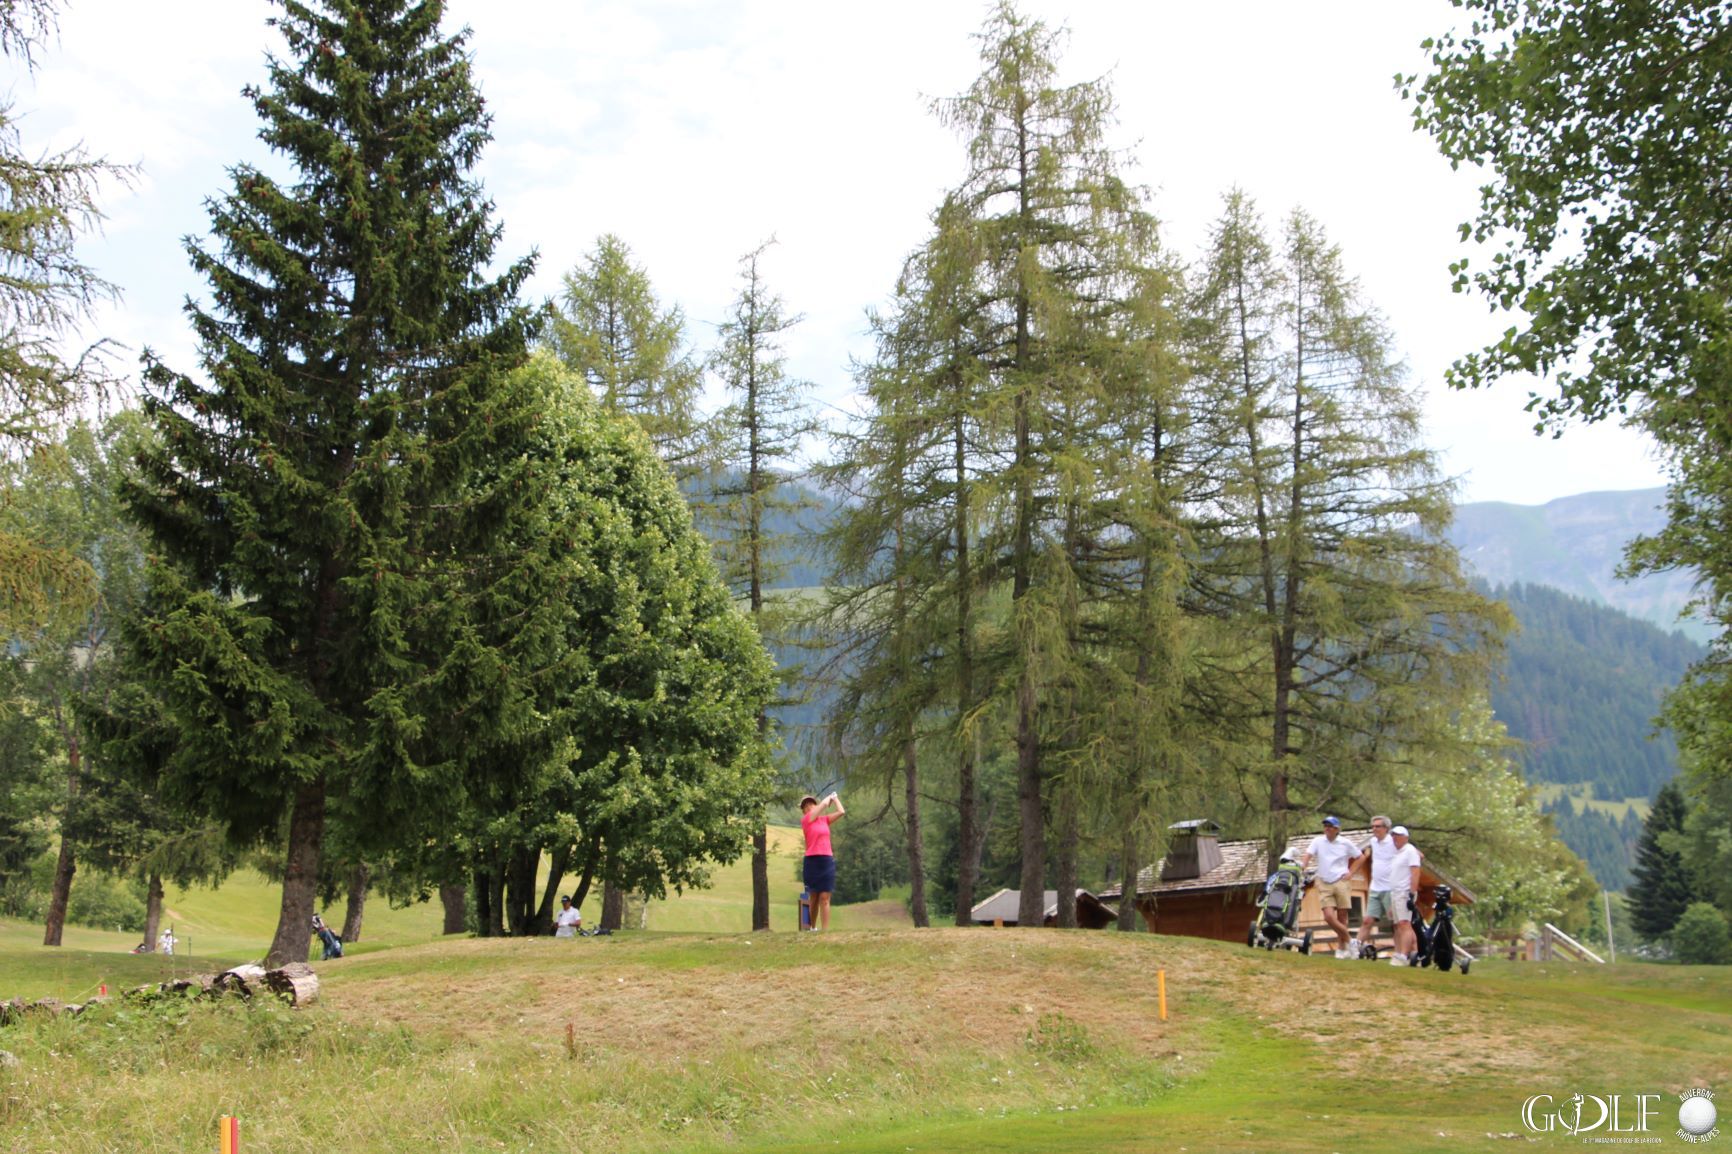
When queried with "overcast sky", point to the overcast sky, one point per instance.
{"points": [[696, 129]]}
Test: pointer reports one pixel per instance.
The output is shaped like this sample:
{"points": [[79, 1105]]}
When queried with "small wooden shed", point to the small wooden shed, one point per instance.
{"points": [[1208, 888], [1003, 907]]}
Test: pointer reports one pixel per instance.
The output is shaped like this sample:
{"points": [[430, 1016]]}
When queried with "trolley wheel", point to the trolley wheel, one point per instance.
{"points": [[1305, 943], [1251, 936], [1464, 967]]}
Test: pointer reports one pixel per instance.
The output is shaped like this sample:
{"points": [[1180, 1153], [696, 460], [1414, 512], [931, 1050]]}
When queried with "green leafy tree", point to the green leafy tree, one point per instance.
{"points": [[68, 499], [644, 762], [315, 496], [1702, 937], [1346, 616], [611, 328], [1662, 887], [760, 435], [1605, 131]]}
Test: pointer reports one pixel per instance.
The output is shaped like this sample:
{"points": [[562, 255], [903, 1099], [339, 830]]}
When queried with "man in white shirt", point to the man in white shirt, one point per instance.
{"points": [[568, 920], [1380, 852], [1334, 856], [1404, 884]]}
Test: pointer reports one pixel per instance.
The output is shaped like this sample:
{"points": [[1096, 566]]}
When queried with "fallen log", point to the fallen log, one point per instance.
{"points": [[295, 982]]}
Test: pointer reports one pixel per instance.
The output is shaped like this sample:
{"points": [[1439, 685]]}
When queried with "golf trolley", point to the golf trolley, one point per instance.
{"points": [[1436, 940], [1279, 910]]}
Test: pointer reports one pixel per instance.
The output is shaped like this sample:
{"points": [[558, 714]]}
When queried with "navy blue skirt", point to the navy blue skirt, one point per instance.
{"points": [[819, 873]]}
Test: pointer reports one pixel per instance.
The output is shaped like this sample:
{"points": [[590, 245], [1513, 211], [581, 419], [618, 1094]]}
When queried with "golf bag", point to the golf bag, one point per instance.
{"points": [[1437, 939], [332, 943], [1279, 910]]}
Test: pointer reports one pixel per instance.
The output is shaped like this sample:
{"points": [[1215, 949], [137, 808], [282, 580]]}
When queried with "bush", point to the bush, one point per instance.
{"points": [[1702, 937]]}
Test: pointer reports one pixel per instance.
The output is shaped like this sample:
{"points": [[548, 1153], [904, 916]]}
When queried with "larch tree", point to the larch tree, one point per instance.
{"points": [[1348, 615], [48, 203], [314, 496], [759, 438], [1056, 232], [612, 329]]}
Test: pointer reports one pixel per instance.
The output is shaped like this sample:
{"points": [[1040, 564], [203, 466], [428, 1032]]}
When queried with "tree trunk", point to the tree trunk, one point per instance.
{"points": [[761, 879], [590, 862], [520, 886], [61, 894], [485, 916], [496, 896], [300, 877], [612, 907], [916, 850], [555, 874], [968, 865], [152, 908], [1065, 858], [455, 901], [1128, 881], [358, 879]]}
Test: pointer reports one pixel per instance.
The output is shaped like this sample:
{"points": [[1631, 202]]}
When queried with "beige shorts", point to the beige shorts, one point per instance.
{"points": [[1336, 895], [1387, 906]]}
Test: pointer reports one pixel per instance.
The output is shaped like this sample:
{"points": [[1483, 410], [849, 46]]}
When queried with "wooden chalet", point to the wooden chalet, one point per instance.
{"points": [[1002, 908], [1209, 888]]}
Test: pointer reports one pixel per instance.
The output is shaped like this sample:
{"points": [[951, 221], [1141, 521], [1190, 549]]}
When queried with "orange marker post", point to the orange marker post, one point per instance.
{"points": [[231, 1135], [1161, 989]]}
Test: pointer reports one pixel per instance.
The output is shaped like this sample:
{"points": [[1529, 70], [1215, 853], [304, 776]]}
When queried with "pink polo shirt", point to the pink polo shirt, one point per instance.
{"points": [[817, 830]]}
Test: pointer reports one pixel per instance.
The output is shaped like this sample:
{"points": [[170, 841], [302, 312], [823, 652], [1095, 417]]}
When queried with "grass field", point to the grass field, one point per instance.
{"points": [[1549, 792], [866, 1040]]}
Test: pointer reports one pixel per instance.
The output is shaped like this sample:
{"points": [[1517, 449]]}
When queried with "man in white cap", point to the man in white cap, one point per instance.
{"points": [[1404, 884], [1334, 856]]}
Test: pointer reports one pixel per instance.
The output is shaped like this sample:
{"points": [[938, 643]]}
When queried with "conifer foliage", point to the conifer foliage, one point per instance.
{"points": [[1662, 890], [315, 485]]}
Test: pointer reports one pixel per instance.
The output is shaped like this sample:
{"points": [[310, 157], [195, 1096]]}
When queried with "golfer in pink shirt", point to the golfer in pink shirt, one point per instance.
{"points": [[819, 868]]}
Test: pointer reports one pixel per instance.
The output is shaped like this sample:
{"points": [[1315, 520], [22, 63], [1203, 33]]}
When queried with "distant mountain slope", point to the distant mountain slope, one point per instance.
{"points": [[1581, 689], [1575, 544]]}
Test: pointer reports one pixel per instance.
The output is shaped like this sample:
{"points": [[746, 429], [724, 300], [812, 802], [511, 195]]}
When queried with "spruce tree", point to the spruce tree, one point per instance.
{"points": [[314, 497], [1661, 890]]}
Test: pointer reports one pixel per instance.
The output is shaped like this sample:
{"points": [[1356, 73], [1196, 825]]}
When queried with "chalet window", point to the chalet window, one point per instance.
{"points": [[1355, 911]]}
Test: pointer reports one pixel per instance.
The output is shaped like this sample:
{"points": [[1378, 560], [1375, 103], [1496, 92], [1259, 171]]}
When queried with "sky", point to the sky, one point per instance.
{"points": [[698, 129]]}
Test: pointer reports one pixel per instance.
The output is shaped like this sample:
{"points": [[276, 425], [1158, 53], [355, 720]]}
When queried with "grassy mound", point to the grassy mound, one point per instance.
{"points": [[866, 1041]]}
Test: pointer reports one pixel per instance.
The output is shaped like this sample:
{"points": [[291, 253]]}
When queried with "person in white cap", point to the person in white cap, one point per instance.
{"points": [[1334, 856], [1404, 884]]}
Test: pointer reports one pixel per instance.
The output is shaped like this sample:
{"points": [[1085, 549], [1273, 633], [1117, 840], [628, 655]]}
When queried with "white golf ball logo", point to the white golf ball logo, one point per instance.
{"points": [[1697, 1115]]}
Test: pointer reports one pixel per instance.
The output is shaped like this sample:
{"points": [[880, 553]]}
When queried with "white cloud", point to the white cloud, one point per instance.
{"points": [[696, 130]]}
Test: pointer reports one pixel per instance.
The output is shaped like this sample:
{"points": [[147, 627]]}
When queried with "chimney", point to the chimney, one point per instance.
{"points": [[1193, 850]]}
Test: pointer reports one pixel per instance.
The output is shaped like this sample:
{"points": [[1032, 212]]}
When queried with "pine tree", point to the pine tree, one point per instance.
{"points": [[314, 497], [759, 437], [613, 330], [1661, 890]]}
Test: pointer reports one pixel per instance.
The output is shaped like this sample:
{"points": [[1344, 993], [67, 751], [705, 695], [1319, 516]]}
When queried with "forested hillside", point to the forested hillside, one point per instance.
{"points": [[1583, 684]]}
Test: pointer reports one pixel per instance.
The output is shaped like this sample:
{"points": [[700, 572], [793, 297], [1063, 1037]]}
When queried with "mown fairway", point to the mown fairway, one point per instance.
{"points": [[864, 1041]]}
